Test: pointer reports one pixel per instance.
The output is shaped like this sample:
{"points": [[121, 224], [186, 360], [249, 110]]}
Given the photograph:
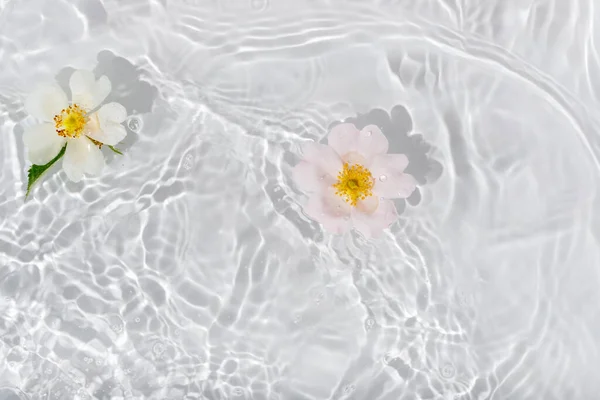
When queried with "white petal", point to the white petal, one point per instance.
{"points": [[46, 102], [81, 84], [114, 112], [108, 129], [86, 91], [101, 90], [42, 142], [82, 156]]}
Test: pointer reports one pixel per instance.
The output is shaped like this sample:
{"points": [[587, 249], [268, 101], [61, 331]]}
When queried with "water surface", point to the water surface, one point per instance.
{"points": [[188, 270]]}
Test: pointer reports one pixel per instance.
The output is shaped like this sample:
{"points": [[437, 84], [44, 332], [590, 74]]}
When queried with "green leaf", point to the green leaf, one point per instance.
{"points": [[113, 148], [36, 171]]}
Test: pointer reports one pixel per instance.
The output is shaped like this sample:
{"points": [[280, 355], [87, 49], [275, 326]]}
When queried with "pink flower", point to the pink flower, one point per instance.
{"points": [[352, 179]]}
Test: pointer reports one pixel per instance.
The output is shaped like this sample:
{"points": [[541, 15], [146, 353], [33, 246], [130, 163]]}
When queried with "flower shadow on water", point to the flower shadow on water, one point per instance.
{"points": [[397, 126], [128, 89]]}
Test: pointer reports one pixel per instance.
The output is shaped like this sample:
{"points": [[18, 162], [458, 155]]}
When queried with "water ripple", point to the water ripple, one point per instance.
{"points": [[188, 270]]}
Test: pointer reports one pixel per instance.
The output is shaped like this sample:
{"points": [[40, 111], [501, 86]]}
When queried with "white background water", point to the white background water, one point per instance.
{"points": [[188, 271]]}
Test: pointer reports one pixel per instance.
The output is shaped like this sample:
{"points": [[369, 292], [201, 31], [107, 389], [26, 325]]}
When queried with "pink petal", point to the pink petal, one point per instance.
{"points": [[385, 163], [395, 186], [347, 140], [372, 142], [390, 181], [310, 178], [323, 156], [368, 205], [343, 138], [373, 223], [329, 210]]}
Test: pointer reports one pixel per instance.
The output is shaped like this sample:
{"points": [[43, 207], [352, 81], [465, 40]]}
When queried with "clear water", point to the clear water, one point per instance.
{"points": [[188, 271]]}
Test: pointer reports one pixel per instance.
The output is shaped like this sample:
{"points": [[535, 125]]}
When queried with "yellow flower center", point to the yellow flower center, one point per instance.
{"points": [[355, 182], [70, 122]]}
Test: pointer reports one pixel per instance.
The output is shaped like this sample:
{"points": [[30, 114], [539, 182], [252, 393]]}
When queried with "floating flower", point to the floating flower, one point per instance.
{"points": [[75, 129], [352, 179]]}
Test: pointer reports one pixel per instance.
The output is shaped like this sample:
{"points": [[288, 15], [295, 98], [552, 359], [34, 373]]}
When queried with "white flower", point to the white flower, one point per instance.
{"points": [[77, 124]]}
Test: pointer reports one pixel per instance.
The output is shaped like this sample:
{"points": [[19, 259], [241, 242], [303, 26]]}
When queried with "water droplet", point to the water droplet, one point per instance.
{"points": [[134, 124], [323, 177], [238, 391], [367, 133], [158, 348], [448, 371], [349, 389], [383, 178], [318, 298]]}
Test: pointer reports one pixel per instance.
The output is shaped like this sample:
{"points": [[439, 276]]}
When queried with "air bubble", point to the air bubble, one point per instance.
{"points": [[448, 371], [188, 162], [134, 124], [158, 348], [137, 319], [349, 389], [238, 391]]}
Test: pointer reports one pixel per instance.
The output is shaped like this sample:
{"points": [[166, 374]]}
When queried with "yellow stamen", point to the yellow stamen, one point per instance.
{"points": [[97, 143], [70, 122], [355, 182]]}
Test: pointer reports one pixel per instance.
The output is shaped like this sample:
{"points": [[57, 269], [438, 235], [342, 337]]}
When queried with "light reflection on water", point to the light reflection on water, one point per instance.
{"points": [[188, 271]]}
